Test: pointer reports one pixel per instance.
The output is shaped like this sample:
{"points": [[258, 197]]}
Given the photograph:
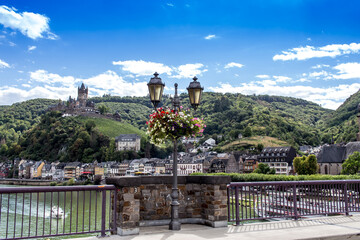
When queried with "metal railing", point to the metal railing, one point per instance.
{"points": [[265, 200], [33, 212]]}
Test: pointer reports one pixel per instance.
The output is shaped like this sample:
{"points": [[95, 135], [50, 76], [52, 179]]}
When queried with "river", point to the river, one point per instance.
{"points": [[31, 213]]}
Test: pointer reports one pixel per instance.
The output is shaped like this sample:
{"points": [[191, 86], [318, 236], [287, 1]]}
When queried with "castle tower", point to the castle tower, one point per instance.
{"points": [[82, 95], [358, 134]]}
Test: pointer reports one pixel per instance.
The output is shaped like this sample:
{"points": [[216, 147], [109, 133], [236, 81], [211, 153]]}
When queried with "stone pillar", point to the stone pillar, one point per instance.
{"points": [[128, 205], [214, 202]]}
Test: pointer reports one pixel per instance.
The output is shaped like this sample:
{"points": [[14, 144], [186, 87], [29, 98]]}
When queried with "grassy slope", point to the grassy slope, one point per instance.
{"points": [[255, 140], [113, 128]]}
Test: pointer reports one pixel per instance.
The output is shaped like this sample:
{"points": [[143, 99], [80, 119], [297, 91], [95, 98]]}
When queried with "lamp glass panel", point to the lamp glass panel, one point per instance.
{"points": [[151, 92], [191, 96], [158, 92], [197, 95]]}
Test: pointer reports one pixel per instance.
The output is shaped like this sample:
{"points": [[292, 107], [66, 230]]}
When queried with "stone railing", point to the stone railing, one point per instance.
{"points": [[146, 201]]}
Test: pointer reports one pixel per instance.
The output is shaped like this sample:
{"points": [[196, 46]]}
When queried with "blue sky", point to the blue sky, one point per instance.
{"points": [[305, 49]]}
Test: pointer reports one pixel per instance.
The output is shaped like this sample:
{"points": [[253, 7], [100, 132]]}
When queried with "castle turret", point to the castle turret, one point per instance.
{"points": [[82, 95]]}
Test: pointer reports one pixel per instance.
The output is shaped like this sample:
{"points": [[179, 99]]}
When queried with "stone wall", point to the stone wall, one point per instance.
{"points": [[146, 201]]}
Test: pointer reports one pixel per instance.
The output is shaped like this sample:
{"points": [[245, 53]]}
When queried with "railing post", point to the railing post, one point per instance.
{"points": [[346, 200], [295, 202], [228, 202], [114, 209], [237, 205], [103, 213]]}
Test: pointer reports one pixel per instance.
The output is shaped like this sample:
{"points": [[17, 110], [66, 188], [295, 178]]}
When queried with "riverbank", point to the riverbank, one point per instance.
{"points": [[25, 182]]}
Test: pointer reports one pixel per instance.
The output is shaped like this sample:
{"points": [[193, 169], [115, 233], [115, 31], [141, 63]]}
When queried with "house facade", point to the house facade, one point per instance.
{"points": [[280, 158], [128, 142]]}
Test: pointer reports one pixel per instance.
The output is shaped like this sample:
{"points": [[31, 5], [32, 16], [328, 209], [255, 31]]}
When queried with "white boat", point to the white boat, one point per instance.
{"points": [[57, 212]]}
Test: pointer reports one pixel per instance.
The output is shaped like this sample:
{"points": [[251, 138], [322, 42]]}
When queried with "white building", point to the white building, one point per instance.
{"points": [[128, 142]]}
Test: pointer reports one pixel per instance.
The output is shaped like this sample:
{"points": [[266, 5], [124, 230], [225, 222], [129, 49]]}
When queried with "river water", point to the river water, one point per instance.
{"points": [[31, 214]]}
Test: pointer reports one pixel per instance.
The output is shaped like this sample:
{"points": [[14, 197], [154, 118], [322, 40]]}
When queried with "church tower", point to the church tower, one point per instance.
{"points": [[82, 95]]}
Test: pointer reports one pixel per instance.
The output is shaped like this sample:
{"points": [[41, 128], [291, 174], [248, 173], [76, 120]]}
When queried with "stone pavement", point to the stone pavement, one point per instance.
{"points": [[319, 228]]}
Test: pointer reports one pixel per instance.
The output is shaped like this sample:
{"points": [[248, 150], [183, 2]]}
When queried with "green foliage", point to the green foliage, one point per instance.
{"points": [[247, 132], [20, 117], [352, 164], [112, 128], [264, 169], [341, 125], [58, 138], [103, 109], [255, 177], [305, 165]]}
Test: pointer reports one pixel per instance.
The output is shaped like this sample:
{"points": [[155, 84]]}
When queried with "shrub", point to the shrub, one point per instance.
{"points": [[256, 177]]}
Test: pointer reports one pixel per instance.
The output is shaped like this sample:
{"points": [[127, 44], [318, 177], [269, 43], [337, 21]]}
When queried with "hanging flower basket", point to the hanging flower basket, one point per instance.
{"points": [[165, 123]]}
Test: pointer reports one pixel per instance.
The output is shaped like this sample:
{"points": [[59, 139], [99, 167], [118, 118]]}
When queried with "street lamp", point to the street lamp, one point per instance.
{"points": [[156, 88], [195, 91]]}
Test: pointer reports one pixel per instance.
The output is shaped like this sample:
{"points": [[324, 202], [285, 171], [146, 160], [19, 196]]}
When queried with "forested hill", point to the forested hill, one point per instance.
{"points": [[342, 123], [293, 120]]}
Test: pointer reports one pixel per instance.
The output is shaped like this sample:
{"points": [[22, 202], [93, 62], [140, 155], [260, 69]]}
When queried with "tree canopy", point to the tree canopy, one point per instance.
{"points": [[351, 164], [305, 165]]}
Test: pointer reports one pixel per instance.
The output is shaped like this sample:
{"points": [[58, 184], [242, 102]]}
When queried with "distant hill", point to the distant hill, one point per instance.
{"points": [[248, 142], [295, 121], [342, 124]]}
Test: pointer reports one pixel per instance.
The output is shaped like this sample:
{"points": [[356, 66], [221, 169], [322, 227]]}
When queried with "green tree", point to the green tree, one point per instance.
{"points": [[352, 164], [103, 109], [305, 165], [247, 132], [89, 125], [263, 168]]}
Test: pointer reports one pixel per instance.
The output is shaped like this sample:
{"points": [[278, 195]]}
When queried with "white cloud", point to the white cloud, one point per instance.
{"points": [[331, 97], [31, 48], [233, 64], [9, 95], [317, 75], [4, 64], [170, 4], [262, 76], [110, 82], [347, 71], [54, 86], [43, 76], [282, 79], [318, 66], [303, 53], [210, 36], [32, 25], [142, 68], [189, 70]]}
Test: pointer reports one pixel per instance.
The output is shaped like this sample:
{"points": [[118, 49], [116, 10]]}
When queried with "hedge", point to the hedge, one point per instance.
{"points": [[256, 177]]}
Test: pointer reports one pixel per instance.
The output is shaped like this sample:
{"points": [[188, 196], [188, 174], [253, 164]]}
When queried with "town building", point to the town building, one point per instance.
{"points": [[72, 170], [128, 142], [224, 163], [280, 158], [331, 157], [250, 163]]}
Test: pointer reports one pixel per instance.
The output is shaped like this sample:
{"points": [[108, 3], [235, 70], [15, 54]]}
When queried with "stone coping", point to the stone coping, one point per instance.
{"points": [[146, 180]]}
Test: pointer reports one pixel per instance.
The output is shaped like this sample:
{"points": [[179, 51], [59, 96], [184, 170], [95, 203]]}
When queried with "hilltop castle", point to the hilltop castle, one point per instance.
{"points": [[81, 106], [76, 106]]}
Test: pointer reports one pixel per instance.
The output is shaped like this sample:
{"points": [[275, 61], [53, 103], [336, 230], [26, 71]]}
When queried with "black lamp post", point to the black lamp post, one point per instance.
{"points": [[156, 88]]}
